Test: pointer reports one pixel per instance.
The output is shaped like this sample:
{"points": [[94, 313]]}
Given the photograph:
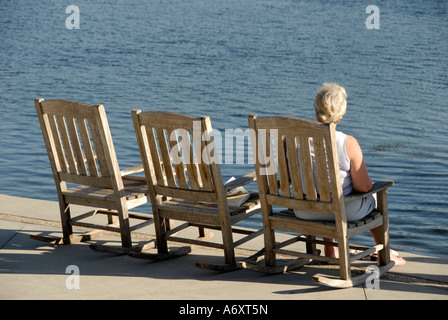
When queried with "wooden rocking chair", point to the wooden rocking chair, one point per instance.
{"points": [[86, 172], [295, 189], [185, 183]]}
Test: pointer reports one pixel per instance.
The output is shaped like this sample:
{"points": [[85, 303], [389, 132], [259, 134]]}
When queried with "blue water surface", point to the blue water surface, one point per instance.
{"points": [[228, 59]]}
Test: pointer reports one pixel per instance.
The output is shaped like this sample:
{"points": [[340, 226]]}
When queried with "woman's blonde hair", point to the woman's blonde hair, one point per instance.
{"points": [[330, 103]]}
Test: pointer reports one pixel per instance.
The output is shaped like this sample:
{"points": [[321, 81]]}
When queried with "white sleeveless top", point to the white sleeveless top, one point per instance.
{"points": [[355, 210], [344, 163]]}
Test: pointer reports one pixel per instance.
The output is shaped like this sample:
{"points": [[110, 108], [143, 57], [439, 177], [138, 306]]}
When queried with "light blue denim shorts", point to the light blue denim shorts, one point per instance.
{"points": [[355, 210]]}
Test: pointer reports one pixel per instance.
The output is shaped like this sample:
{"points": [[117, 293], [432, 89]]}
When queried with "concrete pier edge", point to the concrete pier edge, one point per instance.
{"points": [[421, 278]]}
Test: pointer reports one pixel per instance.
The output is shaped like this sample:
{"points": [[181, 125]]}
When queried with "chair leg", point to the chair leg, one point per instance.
{"points": [[383, 255], [344, 259], [67, 230], [269, 243], [160, 229], [123, 216], [110, 218], [229, 250], [311, 245], [229, 254], [201, 232], [167, 225], [383, 238]]}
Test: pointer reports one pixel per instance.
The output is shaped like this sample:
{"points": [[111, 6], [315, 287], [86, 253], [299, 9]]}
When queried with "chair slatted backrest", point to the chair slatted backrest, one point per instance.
{"points": [[79, 143], [296, 164], [179, 152]]}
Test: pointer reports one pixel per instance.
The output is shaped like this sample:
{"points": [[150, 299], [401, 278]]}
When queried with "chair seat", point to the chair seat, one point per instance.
{"points": [[106, 194], [172, 209], [105, 198], [288, 220], [367, 219]]}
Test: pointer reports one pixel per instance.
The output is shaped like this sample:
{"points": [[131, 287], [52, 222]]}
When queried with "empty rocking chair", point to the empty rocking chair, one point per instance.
{"points": [[185, 184], [86, 172]]}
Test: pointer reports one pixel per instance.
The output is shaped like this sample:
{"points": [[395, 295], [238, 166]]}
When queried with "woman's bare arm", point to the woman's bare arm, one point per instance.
{"points": [[358, 169]]}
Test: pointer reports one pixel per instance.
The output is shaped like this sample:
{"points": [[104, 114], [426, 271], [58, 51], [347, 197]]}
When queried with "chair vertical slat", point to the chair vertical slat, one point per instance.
{"points": [[145, 140], [165, 153], [85, 138], [196, 145], [335, 178], [110, 156], [187, 147], [205, 176], [62, 165], [74, 138], [294, 167], [321, 168], [204, 168], [307, 168], [98, 145], [177, 147], [333, 165], [155, 159], [282, 166], [197, 169], [271, 170], [214, 169], [66, 144]]}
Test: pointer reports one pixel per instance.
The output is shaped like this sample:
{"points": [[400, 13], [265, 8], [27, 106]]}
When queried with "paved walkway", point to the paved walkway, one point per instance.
{"points": [[31, 269]]}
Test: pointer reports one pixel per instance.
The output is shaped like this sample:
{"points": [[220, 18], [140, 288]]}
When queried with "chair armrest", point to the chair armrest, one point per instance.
{"points": [[241, 181], [377, 187], [131, 170]]}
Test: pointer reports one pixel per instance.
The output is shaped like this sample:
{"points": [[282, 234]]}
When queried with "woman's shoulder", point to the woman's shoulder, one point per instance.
{"points": [[349, 139], [352, 147]]}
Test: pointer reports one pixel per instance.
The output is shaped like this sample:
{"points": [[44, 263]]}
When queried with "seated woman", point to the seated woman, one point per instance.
{"points": [[330, 105]]}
